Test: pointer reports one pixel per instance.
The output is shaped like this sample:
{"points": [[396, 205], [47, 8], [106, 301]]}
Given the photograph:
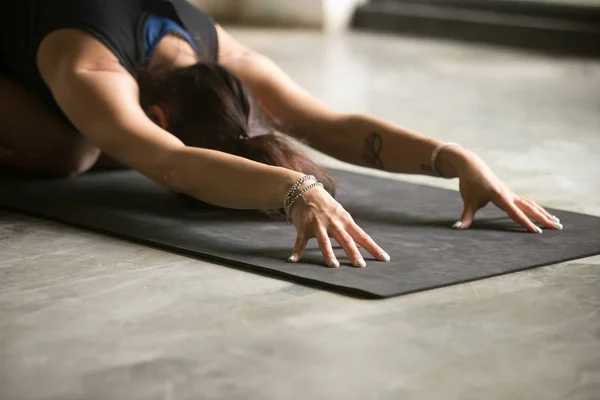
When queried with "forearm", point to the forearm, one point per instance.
{"points": [[356, 139], [228, 181], [374, 143], [118, 125]]}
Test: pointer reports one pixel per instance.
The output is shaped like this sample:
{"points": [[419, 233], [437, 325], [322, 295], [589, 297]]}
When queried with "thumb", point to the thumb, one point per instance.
{"points": [[466, 219]]}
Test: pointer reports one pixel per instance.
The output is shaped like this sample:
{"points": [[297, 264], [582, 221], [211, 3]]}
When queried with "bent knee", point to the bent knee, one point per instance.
{"points": [[64, 161], [74, 161]]}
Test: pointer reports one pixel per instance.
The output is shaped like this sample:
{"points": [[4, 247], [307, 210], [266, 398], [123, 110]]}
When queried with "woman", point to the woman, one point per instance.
{"points": [[161, 88]]}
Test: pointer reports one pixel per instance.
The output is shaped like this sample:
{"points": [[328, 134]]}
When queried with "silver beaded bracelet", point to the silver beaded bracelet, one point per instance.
{"points": [[301, 194], [294, 188], [288, 210]]}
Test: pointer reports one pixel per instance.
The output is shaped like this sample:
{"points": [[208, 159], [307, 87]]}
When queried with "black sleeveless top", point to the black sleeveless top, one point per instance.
{"points": [[118, 24]]}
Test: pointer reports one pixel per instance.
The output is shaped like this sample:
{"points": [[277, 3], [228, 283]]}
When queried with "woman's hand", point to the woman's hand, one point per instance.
{"points": [[320, 216], [479, 186]]}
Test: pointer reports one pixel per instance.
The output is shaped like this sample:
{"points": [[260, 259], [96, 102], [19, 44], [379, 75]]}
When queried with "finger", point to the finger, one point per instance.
{"points": [[537, 212], [357, 244], [466, 219], [326, 249], [533, 204], [541, 209], [299, 247], [518, 216], [364, 240], [347, 243], [553, 219]]}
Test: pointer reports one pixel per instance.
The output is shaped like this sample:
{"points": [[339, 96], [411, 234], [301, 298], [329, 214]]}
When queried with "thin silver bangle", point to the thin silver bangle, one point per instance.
{"points": [[435, 154]]}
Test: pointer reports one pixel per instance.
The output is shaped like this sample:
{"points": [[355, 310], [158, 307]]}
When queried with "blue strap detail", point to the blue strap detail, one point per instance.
{"points": [[156, 28]]}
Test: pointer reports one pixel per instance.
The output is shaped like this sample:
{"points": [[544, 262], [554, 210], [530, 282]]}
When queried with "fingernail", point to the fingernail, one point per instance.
{"points": [[292, 259], [555, 218], [538, 229], [457, 225], [558, 225], [361, 263], [384, 257], [333, 263]]}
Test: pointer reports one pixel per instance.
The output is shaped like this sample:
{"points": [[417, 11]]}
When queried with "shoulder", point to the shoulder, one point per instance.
{"points": [[230, 49], [72, 50]]}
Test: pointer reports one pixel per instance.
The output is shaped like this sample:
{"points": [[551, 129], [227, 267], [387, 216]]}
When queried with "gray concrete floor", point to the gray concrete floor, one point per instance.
{"points": [[84, 316]]}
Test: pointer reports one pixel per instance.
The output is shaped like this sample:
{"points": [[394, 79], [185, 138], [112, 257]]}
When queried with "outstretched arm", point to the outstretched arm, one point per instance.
{"points": [[102, 100], [371, 142], [357, 139]]}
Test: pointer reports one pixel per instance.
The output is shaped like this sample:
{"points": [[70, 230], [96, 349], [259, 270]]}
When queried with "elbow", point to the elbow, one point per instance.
{"points": [[353, 119], [169, 172], [352, 123]]}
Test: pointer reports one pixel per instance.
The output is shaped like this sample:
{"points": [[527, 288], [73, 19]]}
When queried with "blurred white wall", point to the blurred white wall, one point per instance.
{"points": [[337, 14], [281, 12], [330, 15], [218, 8]]}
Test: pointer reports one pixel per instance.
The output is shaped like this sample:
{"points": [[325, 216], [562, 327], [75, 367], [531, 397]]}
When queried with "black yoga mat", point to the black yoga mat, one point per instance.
{"points": [[412, 222]]}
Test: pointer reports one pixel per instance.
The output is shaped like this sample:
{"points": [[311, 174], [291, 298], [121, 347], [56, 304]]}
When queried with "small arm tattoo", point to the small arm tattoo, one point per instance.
{"points": [[372, 150]]}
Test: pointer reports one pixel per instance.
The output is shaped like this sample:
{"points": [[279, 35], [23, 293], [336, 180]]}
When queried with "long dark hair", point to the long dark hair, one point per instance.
{"points": [[209, 107]]}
